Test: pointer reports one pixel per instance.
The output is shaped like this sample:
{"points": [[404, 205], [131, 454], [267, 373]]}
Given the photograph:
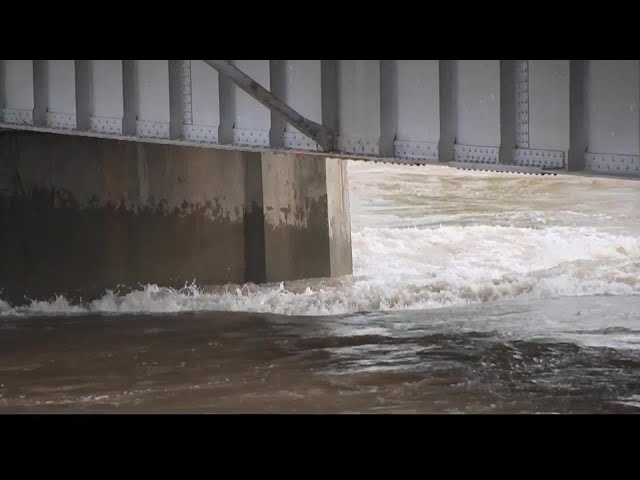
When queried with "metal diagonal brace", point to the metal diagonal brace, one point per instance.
{"points": [[321, 134]]}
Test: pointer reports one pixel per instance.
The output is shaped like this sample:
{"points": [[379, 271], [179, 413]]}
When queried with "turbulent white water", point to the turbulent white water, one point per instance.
{"points": [[428, 237]]}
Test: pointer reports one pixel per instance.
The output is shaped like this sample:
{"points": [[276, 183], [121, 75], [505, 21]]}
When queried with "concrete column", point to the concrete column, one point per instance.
{"points": [[306, 215], [80, 215]]}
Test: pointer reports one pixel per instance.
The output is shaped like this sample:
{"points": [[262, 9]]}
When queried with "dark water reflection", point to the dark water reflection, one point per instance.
{"points": [[493, 358]]}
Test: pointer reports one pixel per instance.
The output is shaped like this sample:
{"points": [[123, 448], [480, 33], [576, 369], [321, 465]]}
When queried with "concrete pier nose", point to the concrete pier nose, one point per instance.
{"points": [[307, 218], [81, 215]]}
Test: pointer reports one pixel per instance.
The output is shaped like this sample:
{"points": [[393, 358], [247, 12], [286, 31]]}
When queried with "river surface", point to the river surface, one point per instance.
{"points": [[472, 292]]}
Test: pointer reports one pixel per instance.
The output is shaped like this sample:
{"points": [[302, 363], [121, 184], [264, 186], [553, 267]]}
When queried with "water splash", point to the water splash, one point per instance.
{"points": [[430, 237]]}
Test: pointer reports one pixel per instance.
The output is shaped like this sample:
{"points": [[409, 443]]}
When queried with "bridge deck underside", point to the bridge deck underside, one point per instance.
{"points": [[532, 116]]}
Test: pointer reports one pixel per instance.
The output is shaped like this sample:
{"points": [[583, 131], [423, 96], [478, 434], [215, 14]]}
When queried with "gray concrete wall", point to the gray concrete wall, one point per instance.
{"points": [[307, 228], [80, 215], [339, 212]]}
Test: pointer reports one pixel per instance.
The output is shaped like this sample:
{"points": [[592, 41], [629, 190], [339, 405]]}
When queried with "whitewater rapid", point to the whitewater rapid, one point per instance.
{"points": [[432, 237]]}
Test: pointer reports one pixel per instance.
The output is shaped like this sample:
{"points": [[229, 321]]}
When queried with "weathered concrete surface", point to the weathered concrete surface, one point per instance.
{"points": [[255, 263], [339, 217], [307, 227], [80, 215]]}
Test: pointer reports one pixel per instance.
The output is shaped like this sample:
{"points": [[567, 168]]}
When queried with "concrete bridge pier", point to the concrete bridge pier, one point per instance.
{"points": [[80, 215]]}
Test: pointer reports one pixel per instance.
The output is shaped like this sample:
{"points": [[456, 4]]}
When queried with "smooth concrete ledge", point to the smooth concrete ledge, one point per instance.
{"points": [[80, 215]]}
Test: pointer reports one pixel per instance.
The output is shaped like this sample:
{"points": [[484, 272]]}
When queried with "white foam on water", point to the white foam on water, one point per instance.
{"points": [[632, 401], [431, 237]]}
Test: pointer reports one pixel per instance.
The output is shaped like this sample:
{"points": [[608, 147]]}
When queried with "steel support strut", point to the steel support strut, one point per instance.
{"points": [[322, 135]]}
